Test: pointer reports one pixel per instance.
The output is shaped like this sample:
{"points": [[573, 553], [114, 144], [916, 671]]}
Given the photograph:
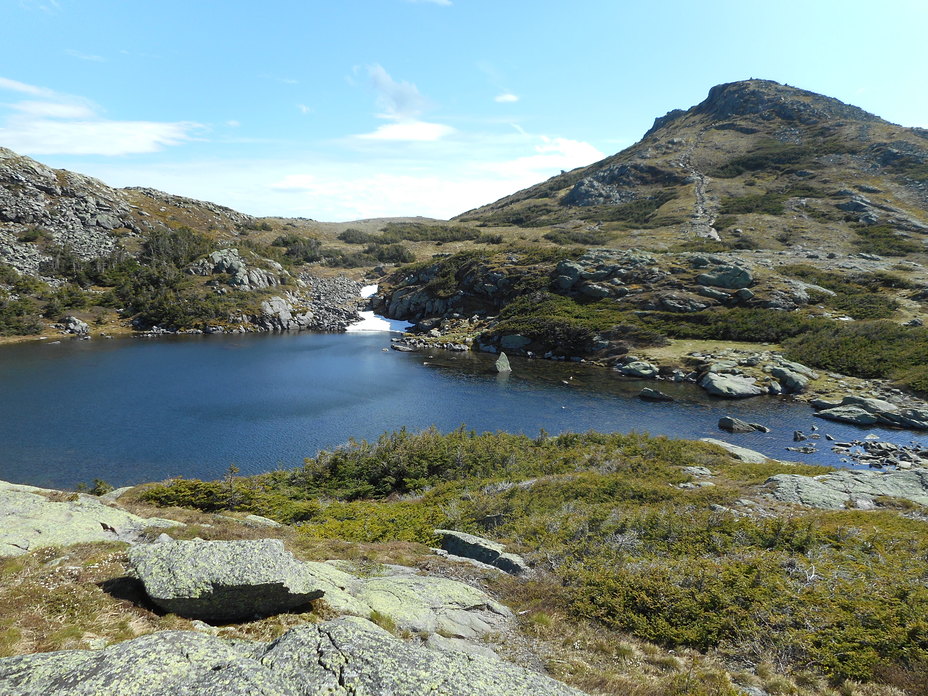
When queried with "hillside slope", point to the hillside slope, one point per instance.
{"points": [[757, 164]]}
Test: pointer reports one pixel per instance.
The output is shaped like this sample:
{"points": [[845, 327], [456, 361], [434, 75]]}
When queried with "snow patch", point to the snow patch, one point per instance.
{"points": [[372, 322]]}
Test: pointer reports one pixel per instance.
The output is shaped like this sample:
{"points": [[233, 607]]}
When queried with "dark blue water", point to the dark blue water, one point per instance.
{"points": [[138, 410]]}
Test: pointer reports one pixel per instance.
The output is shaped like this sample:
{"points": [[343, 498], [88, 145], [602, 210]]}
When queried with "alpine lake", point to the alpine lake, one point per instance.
{"points": [[133, 410]]}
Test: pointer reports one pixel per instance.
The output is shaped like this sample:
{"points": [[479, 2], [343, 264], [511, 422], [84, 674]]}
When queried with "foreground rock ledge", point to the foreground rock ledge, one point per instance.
{"points": [[345, 657]]}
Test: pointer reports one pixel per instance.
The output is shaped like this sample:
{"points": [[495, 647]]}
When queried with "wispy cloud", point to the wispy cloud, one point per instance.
{"points": [[22, 87], [85, 56], [444, 3], [409, 131], [506, 98], [304, 109], [402, 103], [52, 123], [47, 6], [396, 100]]}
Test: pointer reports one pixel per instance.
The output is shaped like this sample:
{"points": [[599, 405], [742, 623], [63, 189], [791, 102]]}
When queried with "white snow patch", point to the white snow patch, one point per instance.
{"points": [[372, 322], [368, 291]]}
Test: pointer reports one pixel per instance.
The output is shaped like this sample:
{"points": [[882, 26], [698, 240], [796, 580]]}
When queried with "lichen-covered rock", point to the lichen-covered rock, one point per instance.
{"points": [[222, 581], [425, 604], [483, 550], [345, 657], [32, 518], [838, 489]]}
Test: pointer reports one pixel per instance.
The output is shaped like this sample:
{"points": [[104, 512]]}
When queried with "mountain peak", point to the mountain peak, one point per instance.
{"points": [[767, 99]]}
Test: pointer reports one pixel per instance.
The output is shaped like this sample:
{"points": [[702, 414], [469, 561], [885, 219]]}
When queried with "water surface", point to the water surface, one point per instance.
{"points": [[134, 410]]}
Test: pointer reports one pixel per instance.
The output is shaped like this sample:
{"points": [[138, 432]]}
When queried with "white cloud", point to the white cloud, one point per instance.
{"points": [[85, 56], [409, 131], [506, 98], [66, 124], [396, 100], [443, 3], [233, 123], [100, 137], [304, 109], [48, 109], [15, 86], [551, 155], [402, 103]]}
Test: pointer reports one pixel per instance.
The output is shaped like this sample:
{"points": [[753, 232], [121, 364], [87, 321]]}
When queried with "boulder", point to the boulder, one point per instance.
{"points": [[844, 487], [741, 453], [73, 325], [223, 581], [502, 364], [729, 277], [648, 394], [484, 550], [849, 414], [638, 368], [730, 386], [735, 425], [32, 518], [595, 291], [914, 418], [869, 404], [791, 382], [339, 658]]}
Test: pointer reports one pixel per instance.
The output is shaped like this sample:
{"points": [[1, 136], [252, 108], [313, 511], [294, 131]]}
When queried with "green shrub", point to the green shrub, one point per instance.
{"points": [[885, 241]]}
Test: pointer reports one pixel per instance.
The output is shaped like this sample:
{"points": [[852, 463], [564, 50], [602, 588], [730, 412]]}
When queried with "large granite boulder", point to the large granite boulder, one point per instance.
{"points": [[839, 489], [345, 657], [730, 386], [32, 518], [484, 550], [223, 581]]}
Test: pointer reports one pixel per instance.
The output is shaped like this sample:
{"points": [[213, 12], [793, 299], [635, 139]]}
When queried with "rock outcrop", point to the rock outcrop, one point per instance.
{"points": [[483, 550], [32, 518], [223, 581], [344, 657], [849, 488]]}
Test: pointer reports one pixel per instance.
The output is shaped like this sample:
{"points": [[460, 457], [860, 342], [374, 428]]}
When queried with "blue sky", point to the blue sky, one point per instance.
{"points": [[344, 109]]}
